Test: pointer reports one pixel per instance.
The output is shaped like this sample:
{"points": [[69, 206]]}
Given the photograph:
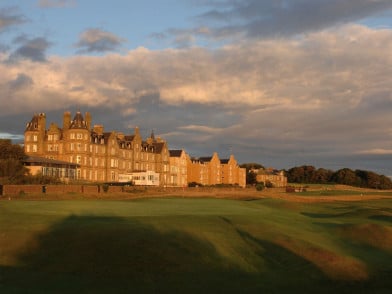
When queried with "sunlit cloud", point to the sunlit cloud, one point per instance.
{"points": [[56, 3]]}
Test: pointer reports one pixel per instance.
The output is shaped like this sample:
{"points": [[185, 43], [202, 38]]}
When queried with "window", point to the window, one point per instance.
{"points": [[78, 159], [34, 148], [79, 136], [72, 136], [27, 148], [35, 138], [50, 137]]}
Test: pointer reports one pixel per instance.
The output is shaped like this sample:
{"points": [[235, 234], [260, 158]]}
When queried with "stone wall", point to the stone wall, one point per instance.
{"points": [[51, 189]]}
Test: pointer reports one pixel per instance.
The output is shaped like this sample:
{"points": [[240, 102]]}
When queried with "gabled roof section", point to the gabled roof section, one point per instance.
{"points": [[78, 122], [205, 159], [33, 124], [175, 153], [158, 146]]}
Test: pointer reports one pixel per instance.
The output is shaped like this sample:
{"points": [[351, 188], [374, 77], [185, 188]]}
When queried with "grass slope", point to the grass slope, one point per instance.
{"points": [[195, 245]]}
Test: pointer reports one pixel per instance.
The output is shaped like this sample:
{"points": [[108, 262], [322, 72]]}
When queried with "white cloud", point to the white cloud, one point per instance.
{"points": [[11, 136], [201, 129], [377, 151]]}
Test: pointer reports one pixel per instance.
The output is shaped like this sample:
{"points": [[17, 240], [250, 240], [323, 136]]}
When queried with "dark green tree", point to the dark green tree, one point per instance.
{"points": [[346, 176], [12, 169], [251, 178], [301, 174]]}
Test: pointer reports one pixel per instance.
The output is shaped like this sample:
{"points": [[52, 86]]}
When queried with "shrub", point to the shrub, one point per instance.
{"points": [[260, 186], [268, 184], [105, 187]]}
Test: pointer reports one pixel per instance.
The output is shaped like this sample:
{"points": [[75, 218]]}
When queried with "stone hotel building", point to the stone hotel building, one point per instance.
{"points": [[101, 156]]}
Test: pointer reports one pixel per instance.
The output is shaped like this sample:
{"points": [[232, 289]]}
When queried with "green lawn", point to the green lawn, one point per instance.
{"points": [[180, 245]]}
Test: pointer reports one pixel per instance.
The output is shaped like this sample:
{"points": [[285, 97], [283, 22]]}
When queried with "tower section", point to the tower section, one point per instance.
{"points": [[34, 135]]}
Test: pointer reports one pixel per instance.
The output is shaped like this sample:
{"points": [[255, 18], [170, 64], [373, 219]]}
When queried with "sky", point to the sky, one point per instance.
{"points": [[282, 83]]}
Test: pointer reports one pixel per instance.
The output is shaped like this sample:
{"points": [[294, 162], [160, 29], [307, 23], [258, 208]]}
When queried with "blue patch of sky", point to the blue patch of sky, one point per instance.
{"points": [[134, 21], [379, 21]]}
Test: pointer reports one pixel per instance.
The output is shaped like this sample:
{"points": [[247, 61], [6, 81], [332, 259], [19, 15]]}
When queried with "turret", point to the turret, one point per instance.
{"points": [[42, 122], [88, 120]]}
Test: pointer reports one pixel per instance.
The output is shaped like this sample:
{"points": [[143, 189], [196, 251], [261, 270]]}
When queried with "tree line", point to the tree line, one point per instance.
{"points": [[345, 176], [308, 174]]}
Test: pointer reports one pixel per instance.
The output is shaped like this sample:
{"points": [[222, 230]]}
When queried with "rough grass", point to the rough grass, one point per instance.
{"points": [[162, 245]]}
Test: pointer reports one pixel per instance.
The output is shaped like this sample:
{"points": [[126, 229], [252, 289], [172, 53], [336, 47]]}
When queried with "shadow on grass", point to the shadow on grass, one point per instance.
{"points": [[380, 217], [84, 254]]}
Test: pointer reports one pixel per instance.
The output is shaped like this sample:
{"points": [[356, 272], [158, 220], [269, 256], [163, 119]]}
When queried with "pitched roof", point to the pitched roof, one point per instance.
{"points": [[205, 159], [158, 146], [175, 153], [129, 137]]}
